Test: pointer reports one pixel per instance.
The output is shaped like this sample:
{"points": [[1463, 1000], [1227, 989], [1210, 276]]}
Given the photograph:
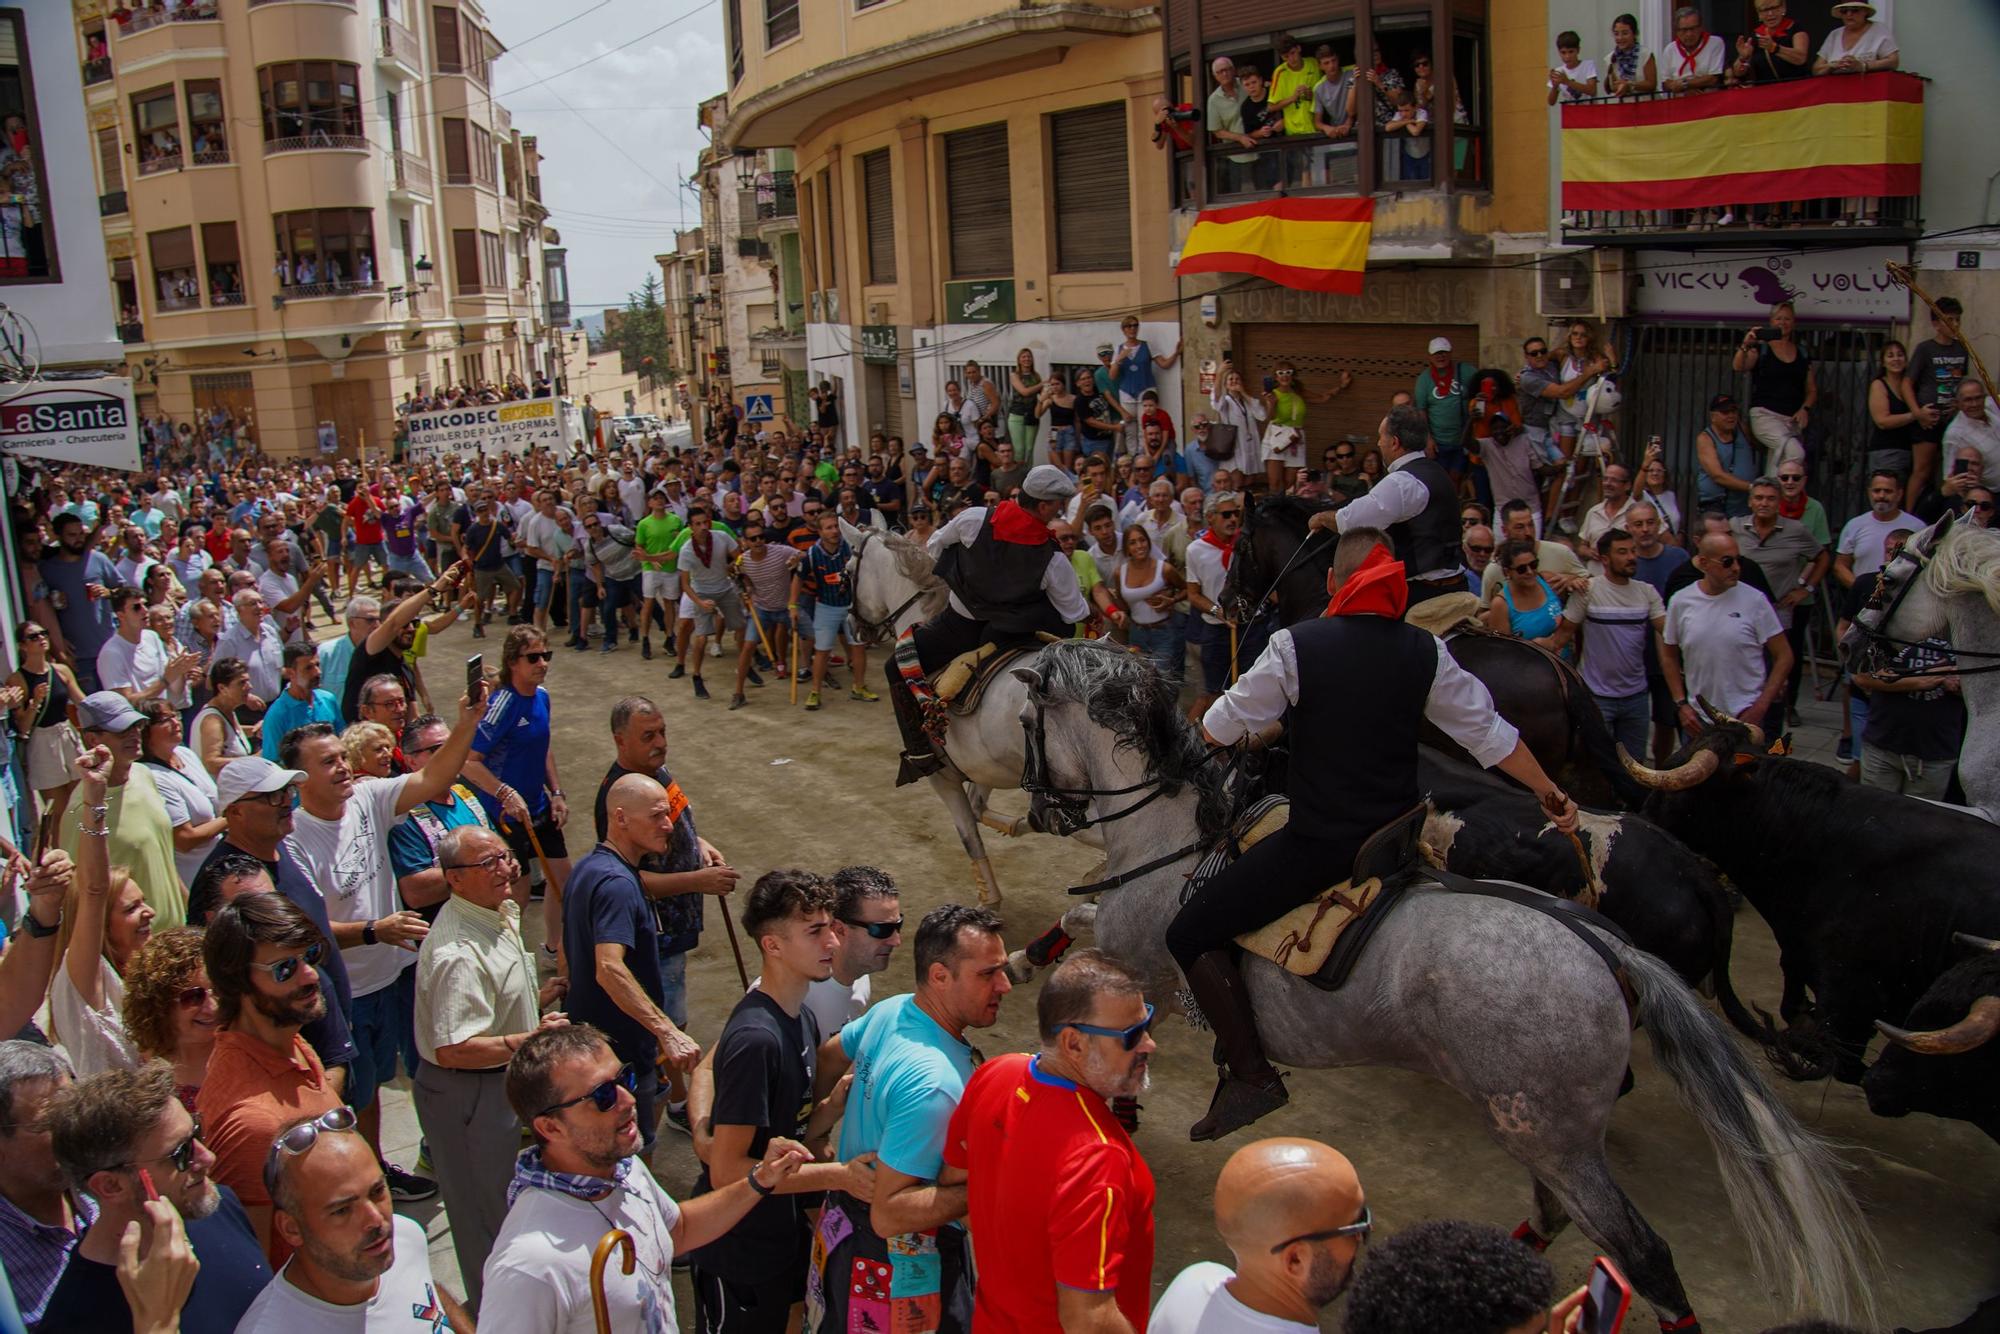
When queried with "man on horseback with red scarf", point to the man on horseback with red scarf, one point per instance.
{"points": [[1009, 582], [1352, 688]]}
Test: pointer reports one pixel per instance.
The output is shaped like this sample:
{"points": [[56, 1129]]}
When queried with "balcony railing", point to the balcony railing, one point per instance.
{"points": [[111, 203], [784, 201], [318, 139], [343, 287], [399, 43], [179, 301], [257, 3], [153, 16], [160, 162], [97, 71], [469, 178], [235, 298], [132, 332], [715, 258], [211, 157], [412, 173]]}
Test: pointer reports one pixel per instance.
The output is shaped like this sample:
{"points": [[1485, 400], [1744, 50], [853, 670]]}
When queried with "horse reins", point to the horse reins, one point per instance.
{"points": [[873, 630], [1887, 610], [1264, 604]]}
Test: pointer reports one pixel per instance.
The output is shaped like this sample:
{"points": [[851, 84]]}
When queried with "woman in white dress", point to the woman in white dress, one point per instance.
{"points": [[1859, 45], [105, 921], [1234, 406]]}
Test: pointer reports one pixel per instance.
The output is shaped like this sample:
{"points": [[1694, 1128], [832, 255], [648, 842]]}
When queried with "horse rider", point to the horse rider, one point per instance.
{"points": [[1352, 688], [1009, 583], [1416, 503]]}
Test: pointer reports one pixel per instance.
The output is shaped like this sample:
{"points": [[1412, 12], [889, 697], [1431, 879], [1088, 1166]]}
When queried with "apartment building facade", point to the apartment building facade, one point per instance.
{"points": [[312, 207]]}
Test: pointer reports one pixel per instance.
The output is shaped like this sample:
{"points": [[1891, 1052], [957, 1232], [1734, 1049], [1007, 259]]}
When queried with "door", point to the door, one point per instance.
{"points": [[1385, 359], [885, 403], [347, 404]]}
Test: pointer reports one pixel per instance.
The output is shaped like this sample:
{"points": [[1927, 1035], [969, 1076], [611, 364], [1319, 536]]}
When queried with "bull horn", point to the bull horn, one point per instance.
{"points": [[1713, 714], [1693, 773], [1971, 941], [1718, 717], [1981, 1022]]}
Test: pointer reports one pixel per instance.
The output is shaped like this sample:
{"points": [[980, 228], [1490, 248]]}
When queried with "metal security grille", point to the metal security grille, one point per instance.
{"points": [[1674, 369], [1093, 196], [1385, 359], [978, 202], [878, 205], [886, 402]]}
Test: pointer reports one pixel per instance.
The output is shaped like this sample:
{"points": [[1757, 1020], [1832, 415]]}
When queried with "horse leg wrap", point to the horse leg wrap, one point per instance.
{"points": [[1526, 1233], [1046, 948], [1687, 1324]]}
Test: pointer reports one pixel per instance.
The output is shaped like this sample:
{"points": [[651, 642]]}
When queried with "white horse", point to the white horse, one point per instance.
{"points": [[1946, 582]]}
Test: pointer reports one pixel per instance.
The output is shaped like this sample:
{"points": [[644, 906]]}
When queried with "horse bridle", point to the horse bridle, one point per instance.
{"points": [[873, 631], [1264, 604], [1884, 605]]}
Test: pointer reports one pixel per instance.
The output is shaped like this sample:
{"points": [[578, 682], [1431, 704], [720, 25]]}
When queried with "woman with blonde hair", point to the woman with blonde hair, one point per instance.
{"points": [[170, 1011], [1024, 385], [371, 749]]}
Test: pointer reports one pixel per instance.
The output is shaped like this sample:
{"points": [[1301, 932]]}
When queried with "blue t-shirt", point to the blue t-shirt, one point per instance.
{"points": [[826, 571], [412, 841], [603, 905], [1656, 570], [233, 1272], [87, 624], [513, 738], [288, 711], [908, 1076]]}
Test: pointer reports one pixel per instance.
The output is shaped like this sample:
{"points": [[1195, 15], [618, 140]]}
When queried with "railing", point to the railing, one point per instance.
{"points": [[210, 157], [450, 66], [185, 301], [412, 173], [558, 314], [97, 71], [399, 43], [132, 332], [715, 258], [470, 178], [318, 139], [162, 162], [236, 298], [111, 203], [256, 3], [784, 202], [153, 16], [344, 287]]}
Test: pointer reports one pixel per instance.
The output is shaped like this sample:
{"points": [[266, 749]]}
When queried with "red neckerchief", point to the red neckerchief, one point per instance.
{"points": [[1376, 588], [1012, 523], [1791, 511], [1228, 549], [704, 550], [1689, 57], [1440, 388], [1783, 29]]}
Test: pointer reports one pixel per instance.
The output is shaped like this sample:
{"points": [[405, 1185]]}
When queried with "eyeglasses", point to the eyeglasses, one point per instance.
{"points": [[878, 930], [1791, 477], [1983, 506], [484, 863], [36, 636], [537, 655], [1360, 1227], [284, 970], [182, 1154], [1538, 352], [604, 1097], [301, 1137], [1726, 562], [192, 997], [1527, 567], [1127, 1037], [1343, 454], [283, 799], [1228, 514]]}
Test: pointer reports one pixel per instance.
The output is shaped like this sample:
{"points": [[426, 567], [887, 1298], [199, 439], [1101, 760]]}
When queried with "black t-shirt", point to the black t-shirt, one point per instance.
{"points": [[1779, 386], [486, 554], [347, 487], [1097, 407], [1935, 371], [1929, 724], [765, 1063], [679, 916], [364, 665], [233, 1271]]}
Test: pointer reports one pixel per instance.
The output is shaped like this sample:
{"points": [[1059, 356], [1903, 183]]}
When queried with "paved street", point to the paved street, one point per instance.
{"points": [[773, 785]]}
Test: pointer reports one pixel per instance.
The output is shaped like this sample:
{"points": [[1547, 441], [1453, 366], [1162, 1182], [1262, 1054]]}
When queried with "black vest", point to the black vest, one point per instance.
{"points": [[1000, 583], [1363, 682], [1430, 541]]}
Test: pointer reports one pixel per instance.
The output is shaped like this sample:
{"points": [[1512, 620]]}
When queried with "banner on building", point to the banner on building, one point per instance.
{"points": [[92, 422], [1848, 285], [1861, 135], [486, 428], [1313, 245], [979, 301]]}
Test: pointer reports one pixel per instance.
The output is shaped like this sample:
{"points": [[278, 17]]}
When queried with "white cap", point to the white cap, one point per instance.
{"points": [[1440, 344], [1045, 481], [250, 776]]}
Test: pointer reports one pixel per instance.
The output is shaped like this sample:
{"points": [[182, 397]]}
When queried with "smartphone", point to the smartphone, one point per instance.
{"points": [[1270, 383], [1606, 1299], [1960, 465], [146, 1184], [1770, 333], [475, 673]]}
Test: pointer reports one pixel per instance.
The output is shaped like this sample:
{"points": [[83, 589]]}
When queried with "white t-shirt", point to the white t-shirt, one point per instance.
{"points": [[405, 1300], [833, 1003], [1205, 567], [538, 1276], [189, 795], [539, 530], [1197, 1302], [1876, 41], [1982, 436], [124, 665], [1864, 536], [348, 859], [1585, 71], [1722, 640], [276, 588]]}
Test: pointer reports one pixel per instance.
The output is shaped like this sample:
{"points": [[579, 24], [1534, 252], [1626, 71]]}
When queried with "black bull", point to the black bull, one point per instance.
{"points": [[1540, 694]]}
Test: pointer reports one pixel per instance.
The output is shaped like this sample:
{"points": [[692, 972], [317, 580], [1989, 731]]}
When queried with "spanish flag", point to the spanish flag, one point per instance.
{"points": [[1314, 245], [1771, 143]]}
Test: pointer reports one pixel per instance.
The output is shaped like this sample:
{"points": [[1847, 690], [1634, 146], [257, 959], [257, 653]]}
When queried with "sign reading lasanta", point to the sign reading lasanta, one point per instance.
{"points": [[1852, 285], [92, 422]]}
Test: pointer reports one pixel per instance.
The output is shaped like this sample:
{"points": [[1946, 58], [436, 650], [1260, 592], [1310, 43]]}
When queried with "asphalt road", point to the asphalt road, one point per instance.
{"points": [[775, 786]]}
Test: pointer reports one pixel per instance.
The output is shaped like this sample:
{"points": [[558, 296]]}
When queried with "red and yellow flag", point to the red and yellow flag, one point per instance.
{"points": [[1315, 245], [1767, 144]]}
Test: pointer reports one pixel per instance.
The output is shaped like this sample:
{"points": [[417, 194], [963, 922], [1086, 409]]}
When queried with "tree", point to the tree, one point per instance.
{"points": [[641, 336]]}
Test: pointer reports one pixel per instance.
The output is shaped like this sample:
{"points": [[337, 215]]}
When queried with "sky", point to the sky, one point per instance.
{"points": [[616, 134]]}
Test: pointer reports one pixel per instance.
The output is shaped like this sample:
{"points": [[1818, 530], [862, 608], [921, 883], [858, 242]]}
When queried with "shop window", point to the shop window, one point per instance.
{"points": [[27, 241], [156, 126], [176, 283], [325, 252]]}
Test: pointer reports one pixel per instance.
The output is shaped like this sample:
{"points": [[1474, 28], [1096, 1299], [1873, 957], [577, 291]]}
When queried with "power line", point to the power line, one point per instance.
{"points": [[613, 50]]}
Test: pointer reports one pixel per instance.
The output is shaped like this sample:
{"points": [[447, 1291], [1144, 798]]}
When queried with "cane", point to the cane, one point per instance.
{"points": [[1232, 653], [617, 1239], [549, 885], [742, 973], [794, 673]]}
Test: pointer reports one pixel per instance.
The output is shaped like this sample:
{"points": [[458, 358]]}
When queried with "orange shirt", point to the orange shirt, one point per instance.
{"points": [[1057, 1196], [249, 1094]]}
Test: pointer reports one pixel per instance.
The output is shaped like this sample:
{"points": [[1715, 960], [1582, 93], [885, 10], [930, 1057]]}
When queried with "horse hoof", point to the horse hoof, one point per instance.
{"points": [[1019, 970]]}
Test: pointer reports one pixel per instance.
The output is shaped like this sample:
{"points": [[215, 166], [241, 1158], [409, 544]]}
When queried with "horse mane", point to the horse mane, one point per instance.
{"points": [[1128, 697], [1966, 563], [913, 562], [1291, 511]]}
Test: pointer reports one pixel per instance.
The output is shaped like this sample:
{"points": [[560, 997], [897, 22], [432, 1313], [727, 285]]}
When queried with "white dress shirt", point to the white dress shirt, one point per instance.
{"points": [[1397, 498], [1058, 580], [1458, 703]]}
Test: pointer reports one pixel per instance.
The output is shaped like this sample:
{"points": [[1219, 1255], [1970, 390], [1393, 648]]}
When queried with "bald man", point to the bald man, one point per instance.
{"points": [[1293, 1215], [611, 940]]}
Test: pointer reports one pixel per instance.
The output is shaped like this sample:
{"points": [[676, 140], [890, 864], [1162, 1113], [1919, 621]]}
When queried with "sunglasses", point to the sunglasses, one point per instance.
{"points": [[604, 1097], [878, 930], [284, 970], [1479, 550], [1538, 352], [1983, 506], [36, 636], [1360, 1227], [1791, 477], [192, 997], [537, 655], [1127, 1037], [304, 1135], [1228, 514], [182, 1154], [1343, 455], [1528, 567], [1726, 562]]}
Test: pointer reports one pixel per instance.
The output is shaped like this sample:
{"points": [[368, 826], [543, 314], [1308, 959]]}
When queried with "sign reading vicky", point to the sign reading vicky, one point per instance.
{"points": [[1849, 285]]}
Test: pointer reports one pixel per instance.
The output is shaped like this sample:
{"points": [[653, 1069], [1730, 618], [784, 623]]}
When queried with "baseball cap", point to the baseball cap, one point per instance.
{"points": [[1104, 349], [1440, 344], [108, 711], [250, 776], [1722, 403]]}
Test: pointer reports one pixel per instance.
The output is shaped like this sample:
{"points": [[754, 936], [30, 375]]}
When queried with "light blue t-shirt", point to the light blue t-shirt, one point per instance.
{"points": [[908, 1077], [336, 655], [288, 711]]}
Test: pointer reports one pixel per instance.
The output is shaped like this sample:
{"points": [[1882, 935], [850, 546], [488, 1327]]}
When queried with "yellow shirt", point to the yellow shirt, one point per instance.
{"points": [[1284, 82], [141, 841]]}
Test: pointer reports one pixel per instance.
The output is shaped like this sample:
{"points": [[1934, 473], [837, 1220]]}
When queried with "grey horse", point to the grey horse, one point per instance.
{"points": [[1946, 581], [1494, 999]]}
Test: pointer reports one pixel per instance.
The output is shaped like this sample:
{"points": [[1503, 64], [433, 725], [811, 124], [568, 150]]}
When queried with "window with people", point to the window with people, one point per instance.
{"points": [[156, 126], [325, 251], [311, 104], [26, 243]]}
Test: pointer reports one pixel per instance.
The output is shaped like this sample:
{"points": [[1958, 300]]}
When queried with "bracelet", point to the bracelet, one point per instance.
{"points": [[555, 792], [99, 811], [755, 1184], [102, 831]]}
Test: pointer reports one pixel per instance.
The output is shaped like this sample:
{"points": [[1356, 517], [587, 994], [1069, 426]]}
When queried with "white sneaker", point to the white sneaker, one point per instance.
{"points": [[714, 648]]}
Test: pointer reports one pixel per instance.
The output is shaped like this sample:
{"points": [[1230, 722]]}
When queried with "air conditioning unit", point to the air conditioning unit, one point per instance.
{"points": [[1581, 284]]}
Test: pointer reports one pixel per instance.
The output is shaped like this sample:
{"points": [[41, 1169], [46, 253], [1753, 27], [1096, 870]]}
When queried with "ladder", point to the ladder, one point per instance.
{"points": [[1576, 487]]}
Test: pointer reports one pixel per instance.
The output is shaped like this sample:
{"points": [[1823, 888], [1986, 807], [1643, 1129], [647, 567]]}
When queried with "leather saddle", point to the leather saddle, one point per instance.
{"points": [[961, 683], [1321, 938]]}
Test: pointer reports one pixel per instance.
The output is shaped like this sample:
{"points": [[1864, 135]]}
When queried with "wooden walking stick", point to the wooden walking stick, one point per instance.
{"points": [[742, 973], [617, 1239], [793, 674], [1905, 276]]}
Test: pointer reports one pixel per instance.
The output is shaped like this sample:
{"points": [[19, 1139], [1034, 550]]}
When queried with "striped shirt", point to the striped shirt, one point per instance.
{"points": [[36, 1252], [771, 576]]}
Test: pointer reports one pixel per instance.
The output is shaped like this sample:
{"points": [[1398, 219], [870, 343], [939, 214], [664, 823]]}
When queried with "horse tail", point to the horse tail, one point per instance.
{"points": [[1587, 725], [1805, 1232]]}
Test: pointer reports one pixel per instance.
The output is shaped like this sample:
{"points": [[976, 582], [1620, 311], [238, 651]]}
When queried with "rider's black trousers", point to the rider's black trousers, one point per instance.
{"points": [[1265, 883]]}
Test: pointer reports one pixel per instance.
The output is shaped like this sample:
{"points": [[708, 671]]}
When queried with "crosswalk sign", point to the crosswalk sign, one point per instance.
{"points": [[757, 407]]}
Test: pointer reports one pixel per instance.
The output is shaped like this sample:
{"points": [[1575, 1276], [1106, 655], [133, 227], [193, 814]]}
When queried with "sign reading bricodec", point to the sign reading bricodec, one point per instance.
{"points": [[486, 428]]}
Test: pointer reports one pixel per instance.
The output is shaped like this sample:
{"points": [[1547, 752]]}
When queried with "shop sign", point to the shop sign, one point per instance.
{"points": [[979, 301], [878, 344], [91, 422], [498, 428], [1852, 284]]}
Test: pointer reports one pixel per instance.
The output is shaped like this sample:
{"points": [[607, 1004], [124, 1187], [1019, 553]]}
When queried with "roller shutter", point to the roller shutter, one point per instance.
{"points": [[1093, 189], [879, 210], [979, 203], [1385, 358]]}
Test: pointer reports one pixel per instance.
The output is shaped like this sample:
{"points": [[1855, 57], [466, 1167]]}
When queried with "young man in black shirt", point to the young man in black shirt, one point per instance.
{"points": [[748, 1280]]}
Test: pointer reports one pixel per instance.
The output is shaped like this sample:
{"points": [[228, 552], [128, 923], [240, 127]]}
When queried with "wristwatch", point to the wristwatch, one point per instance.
{"points": [[368, 933], [756, 1185], [33, 929]]}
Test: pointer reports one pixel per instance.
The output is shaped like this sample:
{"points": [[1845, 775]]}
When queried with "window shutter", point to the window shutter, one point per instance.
{"points": [[465, 259], [218, 243], [879, 208], [172, 250], [1093, 198], [457, 163], [979, 203]]}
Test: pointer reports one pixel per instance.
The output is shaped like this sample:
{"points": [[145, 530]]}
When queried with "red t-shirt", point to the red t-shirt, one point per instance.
{"points": [[1057, 1193], [367, 520]]}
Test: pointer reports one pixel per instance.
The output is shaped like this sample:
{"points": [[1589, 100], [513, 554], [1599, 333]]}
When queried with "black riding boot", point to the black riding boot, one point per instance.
{"points": [[919, 758], [1248, 1086]]}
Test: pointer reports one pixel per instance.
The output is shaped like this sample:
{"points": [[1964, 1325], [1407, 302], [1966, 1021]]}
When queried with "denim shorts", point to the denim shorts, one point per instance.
{"points": [[674, 986], [829, 624], [378, 1021]]}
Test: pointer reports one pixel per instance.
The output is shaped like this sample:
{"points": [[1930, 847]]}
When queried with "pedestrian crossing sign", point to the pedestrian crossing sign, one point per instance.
{"points": [[757, 407]]}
